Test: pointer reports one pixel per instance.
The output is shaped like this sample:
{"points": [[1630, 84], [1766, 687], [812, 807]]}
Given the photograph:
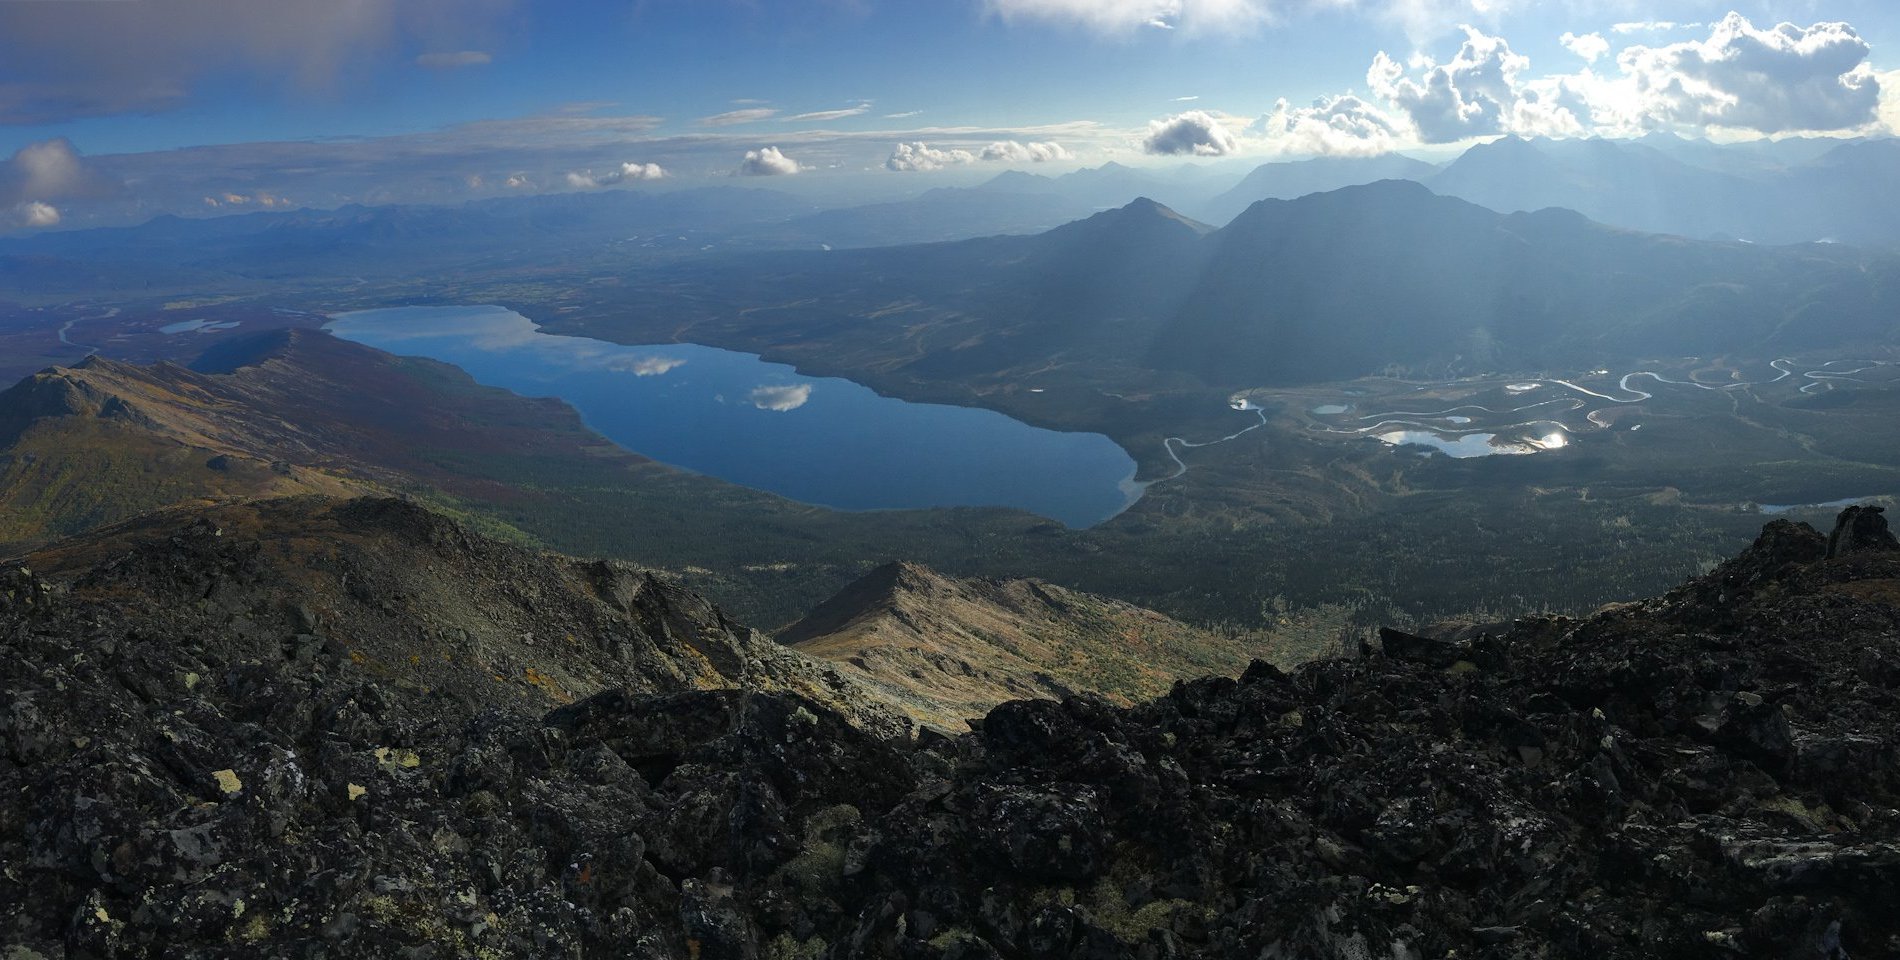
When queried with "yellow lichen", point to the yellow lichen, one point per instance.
{"points": [[397, 759], [357, 792], [228, 781]]}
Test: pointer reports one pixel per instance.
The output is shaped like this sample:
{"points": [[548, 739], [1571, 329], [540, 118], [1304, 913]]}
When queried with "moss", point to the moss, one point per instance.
{"points": [[819, 866], [951, 937], [1131, 925], [784, 947]]}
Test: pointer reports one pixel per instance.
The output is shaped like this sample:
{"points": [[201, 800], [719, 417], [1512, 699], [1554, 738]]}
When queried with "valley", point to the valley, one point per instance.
{"points": [[969, 480], [1272, 405]]}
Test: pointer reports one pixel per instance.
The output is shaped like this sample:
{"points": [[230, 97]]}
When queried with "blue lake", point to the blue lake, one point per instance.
{"points": [[731, 415]]}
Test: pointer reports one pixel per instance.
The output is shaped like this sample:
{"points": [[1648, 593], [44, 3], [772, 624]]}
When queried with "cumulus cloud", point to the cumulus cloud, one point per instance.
{"points": [[768, 162], [922, 157], [1342, 126], [857, 109], [1469, 96], [35, 214], [1014, 151], [260, 198], [1590, 46], [50, 170], [780, 399], [454, 59], [735, 117], [1761, 80], [1194, 133], [588, 179], [1120, 16], [1743, 79]]}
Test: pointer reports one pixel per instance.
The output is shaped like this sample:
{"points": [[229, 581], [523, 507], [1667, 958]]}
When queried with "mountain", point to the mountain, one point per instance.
{"points": [[298, 411], [1288, 180], [947, 649], [1799, 192], [1390, 275], [1110, 185], [351, 728], [1354, 282], [1614, 182], [946, 213], [272, 249]]}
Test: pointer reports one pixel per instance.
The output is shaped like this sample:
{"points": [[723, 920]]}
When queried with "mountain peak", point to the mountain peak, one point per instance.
{"points": [[1141, 217]]}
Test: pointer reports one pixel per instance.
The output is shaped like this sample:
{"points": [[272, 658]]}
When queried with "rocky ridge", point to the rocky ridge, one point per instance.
{"points": [[1706, 774], [947, 649]]}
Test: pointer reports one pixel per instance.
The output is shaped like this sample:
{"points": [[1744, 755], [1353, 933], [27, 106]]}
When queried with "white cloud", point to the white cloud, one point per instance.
{"points": [[1342, 126], [768, 162], [36, 214], [1469, 96], [1744, 78], [857, 109], [588, 180], [1121, 16], [519, 181], [50, 170], [1741, 81], [1589, 46], [901, 116], [780, 399], [1195, 133], [1890, 101], [921, 157], [454, 59], [1651, 26], [261, 198], [1016, 151], [735, 117]]}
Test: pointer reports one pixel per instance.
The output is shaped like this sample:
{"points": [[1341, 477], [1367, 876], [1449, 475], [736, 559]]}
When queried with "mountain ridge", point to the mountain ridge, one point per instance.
{"points": [[206, 710], [947, 649]]}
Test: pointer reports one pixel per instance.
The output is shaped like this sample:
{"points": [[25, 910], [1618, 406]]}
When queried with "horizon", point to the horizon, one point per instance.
{"points": [[117, 112]]}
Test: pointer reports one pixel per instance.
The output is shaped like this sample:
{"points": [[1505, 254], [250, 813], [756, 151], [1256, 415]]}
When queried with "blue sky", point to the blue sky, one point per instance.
{"points": [[287, 101]]}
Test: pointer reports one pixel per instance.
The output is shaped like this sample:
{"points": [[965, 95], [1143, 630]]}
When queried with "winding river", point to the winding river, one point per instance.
{"points": [[1472, 429]]}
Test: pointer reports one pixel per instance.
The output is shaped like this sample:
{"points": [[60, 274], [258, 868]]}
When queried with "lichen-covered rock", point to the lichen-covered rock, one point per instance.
{"points": [[1708, 774]]}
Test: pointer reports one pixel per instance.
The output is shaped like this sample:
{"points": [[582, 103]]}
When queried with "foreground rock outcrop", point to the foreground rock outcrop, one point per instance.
{"points": [[1707, 774]]}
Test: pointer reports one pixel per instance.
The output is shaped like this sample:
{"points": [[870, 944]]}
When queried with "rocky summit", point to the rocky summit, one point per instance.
{"points": [[326, 729]]}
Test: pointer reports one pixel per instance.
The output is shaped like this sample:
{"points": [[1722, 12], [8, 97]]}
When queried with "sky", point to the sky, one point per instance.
{"points": [[112, 111]]}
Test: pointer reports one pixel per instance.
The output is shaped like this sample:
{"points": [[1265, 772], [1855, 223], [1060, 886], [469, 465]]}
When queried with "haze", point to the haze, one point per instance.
{"points": [[116, 112]]}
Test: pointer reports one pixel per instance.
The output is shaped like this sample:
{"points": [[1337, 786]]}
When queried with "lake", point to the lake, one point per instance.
{"points": [[818, 440]]}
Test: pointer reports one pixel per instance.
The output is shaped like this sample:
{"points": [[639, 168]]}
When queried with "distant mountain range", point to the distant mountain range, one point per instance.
{"points": [[1791, 191], [1351, 282], [1368, 279]]}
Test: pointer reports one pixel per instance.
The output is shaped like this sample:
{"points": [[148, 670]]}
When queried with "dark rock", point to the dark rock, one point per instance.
{"points": [[1861, 529], [1411, 648], [214, 758]]}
